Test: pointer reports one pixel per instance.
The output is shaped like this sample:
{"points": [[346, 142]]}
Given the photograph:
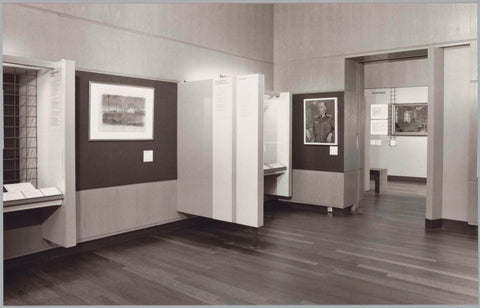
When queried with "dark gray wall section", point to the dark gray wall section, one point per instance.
{"points": [[115, 163], [316, 157]]}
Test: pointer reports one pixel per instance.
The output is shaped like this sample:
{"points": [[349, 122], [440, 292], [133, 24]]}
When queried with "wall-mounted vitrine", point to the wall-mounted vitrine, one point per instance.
{"points": [[41, 142]]}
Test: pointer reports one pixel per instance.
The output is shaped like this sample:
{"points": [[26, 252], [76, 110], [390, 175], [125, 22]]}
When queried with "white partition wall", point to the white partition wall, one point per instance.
{"points": [[249, 150], [56, 148], [220, 149], [194, 148], [223, 149], [456, 139]]}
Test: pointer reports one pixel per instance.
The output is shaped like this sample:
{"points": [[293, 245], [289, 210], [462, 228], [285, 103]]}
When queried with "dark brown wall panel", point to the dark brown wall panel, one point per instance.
{"points": [[316, 157], [115, 163]]}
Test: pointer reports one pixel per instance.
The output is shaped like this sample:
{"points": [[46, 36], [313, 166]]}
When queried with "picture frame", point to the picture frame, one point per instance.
{"points": [[379, 127], [320, 121], [379, 111], [410, 119], [120, 112]]}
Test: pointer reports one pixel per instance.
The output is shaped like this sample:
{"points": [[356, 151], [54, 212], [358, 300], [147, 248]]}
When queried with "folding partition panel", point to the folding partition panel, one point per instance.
{"points": [[234, 145], [222, 149], [249, 150], [56, 157], [220, 156], [194, 148]]}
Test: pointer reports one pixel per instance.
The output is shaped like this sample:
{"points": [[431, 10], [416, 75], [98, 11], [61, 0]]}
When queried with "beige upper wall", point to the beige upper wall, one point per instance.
{"points": [[162, 41], [406, 73], [239, 29], [312, 40]]}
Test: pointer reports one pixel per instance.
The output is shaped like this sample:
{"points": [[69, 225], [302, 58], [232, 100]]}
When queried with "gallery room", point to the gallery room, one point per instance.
{"points": [[240, 153]]}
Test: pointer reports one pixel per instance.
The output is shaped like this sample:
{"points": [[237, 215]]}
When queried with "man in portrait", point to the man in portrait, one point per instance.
{"points": [[323, 126]]}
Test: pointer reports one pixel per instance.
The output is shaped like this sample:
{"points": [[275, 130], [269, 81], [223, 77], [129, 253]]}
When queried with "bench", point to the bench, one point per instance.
{"points": [[380, 177]]}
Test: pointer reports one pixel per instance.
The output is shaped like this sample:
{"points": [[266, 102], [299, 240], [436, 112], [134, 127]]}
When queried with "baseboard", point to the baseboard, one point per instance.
{"points": [[397, 178], [433, 224], [452, 226], [323, 209], [57, 252]]}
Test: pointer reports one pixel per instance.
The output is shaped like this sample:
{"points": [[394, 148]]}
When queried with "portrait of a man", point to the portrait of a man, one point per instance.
{"points": [[320, 121]]}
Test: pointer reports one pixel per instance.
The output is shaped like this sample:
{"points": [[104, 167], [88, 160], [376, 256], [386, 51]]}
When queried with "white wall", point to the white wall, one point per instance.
{"points": [[408, 157], [155, 41]]}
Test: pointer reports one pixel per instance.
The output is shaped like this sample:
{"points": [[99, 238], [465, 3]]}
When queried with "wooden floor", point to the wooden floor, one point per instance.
{"points": [[380, 255]]}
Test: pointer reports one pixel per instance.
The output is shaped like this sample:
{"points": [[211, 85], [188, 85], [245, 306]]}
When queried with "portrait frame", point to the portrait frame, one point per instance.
{"points": [[419, 119], [309, 114], [119, 112]]}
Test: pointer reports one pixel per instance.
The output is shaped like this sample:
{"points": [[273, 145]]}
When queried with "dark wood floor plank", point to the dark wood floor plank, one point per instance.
{"points": [[379, 255]]}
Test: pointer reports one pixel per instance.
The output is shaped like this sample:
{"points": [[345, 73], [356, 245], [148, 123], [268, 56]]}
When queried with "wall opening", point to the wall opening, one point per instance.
{"points": [[20, 125]]}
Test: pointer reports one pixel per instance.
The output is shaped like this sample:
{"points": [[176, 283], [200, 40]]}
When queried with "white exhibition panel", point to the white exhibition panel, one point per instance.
{"points": [[56, 147], [456, 133], [194, 148], [222, 149], [277, 143], [220, 153], [249, 150]]}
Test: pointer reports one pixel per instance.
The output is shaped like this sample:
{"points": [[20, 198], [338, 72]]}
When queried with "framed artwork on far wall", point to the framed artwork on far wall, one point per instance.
{"points": [[320, 121], [410, 119], [120, 112]]}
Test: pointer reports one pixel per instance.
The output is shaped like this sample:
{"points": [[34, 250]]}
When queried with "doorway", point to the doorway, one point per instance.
{"points": [[432, 75]]}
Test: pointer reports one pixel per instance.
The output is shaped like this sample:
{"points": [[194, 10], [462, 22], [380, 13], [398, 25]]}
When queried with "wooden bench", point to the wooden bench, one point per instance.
{"points": [[380, 177]]}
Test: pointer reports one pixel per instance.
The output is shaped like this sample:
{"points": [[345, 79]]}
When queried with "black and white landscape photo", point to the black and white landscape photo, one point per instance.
{"points": [[120, 112]]}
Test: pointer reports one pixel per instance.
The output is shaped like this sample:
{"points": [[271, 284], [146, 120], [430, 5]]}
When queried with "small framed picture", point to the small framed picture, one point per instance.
{"points": [[120, 112], [320, 121], [379, 127], [410, 119], [379, 111]]}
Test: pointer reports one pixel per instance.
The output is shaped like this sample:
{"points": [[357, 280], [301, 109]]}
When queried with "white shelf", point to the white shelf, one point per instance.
{"points": [[17, 199], [31, 205], [274, 169]]}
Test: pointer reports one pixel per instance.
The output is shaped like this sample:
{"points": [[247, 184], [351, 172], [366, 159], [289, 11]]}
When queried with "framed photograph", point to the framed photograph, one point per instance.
{"points": [[320, 121], [120, 112], [410, 119], [379, 111], [379, 127]]}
